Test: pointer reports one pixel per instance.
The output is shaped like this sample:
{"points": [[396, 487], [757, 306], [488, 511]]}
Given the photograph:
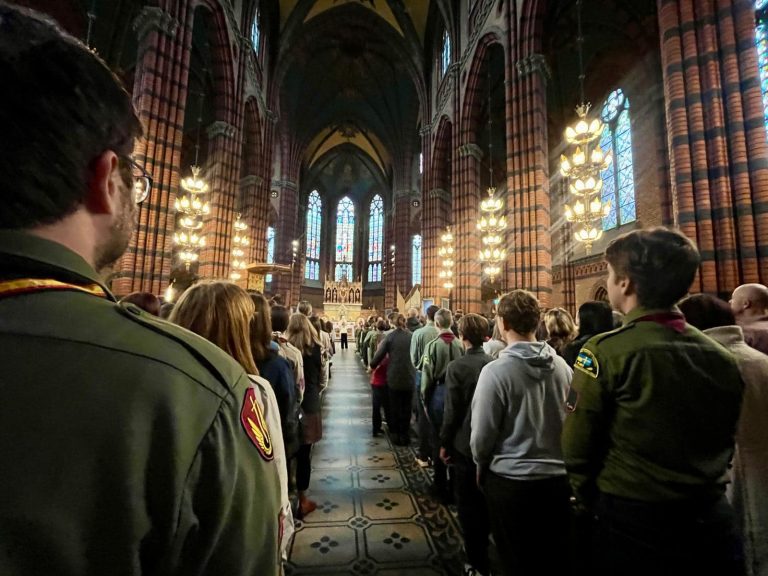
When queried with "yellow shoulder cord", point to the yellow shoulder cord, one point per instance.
{"points": [[28, 285]]}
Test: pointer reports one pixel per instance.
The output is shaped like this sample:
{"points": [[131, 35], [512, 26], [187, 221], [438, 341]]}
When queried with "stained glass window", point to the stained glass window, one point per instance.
{"points": [[416, 259], [314, 221], [446, 53], [256, 33], [345, 238], [375, 239], [761, 39], [270, 250], [619, 177]]}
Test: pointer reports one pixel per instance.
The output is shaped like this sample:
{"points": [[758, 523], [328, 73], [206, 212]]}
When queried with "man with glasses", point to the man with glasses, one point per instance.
{"points": [[127, 445]]}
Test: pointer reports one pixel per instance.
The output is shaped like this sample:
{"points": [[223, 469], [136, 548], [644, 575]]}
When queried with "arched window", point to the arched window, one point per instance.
{"points": [[270, 251], [256, 32], [761, 39], [416, 259], [314, 221], [618, 178], [345, 238], [375, 238], [445, 55]]}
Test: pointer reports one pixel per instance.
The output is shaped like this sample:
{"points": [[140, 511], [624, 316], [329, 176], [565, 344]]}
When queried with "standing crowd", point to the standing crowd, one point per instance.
{"points": [[631, 442], [134, 445]]}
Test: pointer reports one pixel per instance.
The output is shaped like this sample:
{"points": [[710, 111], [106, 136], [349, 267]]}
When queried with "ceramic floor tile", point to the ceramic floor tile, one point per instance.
{"points": [[374, 516]]}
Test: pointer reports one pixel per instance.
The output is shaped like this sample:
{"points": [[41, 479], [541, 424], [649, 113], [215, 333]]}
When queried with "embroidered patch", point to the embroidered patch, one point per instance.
{"points": [[572, 400], [252, 419], [587, 363]]}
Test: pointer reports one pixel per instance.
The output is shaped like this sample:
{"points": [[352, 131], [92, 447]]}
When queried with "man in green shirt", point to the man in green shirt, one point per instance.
{"points": [[419, 341], [653, 412], [127, 445]]}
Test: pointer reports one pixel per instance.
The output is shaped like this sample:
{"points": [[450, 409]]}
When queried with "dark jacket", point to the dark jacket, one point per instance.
{"points": [[279, 374], [571, 351], [413, 324], [400, 371], [312, 368], [122, 444], [461, 380]]}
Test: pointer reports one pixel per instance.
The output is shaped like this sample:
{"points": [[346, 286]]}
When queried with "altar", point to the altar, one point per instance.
{"points": [[342, 300]]}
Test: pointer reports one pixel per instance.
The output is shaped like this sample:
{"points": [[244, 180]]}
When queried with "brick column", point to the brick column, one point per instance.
{"points": [[529, 243], [159, 95], [290, 228], [466, 207], [402, 241], [717, 140], [390, 282], [253, 215], [223, 163]]}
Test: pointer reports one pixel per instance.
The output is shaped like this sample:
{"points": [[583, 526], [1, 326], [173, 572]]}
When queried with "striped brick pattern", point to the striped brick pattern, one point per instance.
{"points": [[437, 210], [402, 241], [529, 243], [717, 139], [159, 95]]}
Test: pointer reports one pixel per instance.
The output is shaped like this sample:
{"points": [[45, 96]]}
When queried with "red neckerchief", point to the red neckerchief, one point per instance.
{"points": [[674, 320]]}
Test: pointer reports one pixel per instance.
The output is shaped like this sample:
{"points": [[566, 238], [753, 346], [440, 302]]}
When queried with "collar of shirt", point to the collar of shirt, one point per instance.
{"points": [[50, 258], [671, 317]]}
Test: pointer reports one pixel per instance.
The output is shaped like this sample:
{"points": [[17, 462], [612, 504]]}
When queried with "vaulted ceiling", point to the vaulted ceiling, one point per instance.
{"points": [[351, 72]]}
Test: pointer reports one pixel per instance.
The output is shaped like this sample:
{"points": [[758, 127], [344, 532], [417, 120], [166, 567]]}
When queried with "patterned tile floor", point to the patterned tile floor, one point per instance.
{"points": [[374, 516]]}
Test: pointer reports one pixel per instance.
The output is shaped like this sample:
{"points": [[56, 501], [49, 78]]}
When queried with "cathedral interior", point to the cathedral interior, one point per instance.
{"points": [[350, 135]]}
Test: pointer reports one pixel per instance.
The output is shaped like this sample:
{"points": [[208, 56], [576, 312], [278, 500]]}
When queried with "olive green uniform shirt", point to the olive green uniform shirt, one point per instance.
{"points": [[123, 447], [654, 413]]}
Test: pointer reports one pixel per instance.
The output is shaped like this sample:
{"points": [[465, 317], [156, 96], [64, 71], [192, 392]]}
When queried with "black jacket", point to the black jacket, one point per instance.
{"points": [[400, 372], [461, 380]]}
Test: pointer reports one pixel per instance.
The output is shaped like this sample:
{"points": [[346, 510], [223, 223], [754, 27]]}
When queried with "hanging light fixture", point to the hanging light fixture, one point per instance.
{"points": [[191, 206], [446, 255], [492, 223], [584, 167], [239, 243]]}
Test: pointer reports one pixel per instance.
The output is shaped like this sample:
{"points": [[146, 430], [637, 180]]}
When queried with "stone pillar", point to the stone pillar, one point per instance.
{"points": [[529, 244], [466, 208], [290, 228], [159, 95], [717, 140], [223, 160], [252, 214]]}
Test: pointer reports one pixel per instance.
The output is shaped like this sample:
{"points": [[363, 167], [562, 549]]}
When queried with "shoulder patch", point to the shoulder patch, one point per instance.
{"points": [[252, 419], [587, 363]]}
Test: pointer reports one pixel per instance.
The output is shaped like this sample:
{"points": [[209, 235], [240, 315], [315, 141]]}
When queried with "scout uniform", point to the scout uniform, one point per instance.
{"points": [[653, 412], [127, 444]]}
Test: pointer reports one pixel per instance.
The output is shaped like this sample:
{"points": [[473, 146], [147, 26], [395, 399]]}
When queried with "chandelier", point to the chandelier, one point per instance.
{"points": [[239, 242], [191, 207], [584, 166], [446, 254], [492, 223]]}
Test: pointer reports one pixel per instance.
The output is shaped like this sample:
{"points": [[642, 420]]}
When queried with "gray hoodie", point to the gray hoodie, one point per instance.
{"points": [[518, 411]]}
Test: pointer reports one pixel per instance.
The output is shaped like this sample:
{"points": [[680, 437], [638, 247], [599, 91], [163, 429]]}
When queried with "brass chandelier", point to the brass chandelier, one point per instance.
{"points": [[239, 243], [446, 254], [584, 166], [192, 207], [492, 223]]}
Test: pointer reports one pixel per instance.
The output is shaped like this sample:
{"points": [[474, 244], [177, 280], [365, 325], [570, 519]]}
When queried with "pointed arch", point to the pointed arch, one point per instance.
{"points": [[345, 239], [375, 238], [313, 230]]}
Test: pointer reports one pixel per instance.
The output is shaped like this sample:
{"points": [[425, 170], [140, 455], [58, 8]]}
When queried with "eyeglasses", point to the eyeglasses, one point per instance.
{"points": [[142, 181]]}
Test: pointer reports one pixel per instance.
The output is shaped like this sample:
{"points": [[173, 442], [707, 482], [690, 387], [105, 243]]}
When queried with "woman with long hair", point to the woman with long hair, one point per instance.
{"points": [[276, 370], [221, 313], [496, 344], [595, 317], [326, 350], [303, 335], [561, 328]]}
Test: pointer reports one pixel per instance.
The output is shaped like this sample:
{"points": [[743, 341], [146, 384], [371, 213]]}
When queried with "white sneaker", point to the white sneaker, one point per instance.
{"points": [[424, 463]]}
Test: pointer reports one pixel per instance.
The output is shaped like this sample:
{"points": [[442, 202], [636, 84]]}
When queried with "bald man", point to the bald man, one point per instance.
{"points": [[749, 303]]}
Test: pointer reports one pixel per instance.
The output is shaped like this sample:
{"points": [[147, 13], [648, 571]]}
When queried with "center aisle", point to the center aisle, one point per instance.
{"points": [[373, 514]]}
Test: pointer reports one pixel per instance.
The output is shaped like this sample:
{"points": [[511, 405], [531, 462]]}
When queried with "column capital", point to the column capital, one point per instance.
{"points": [[221, 128], [534, 63], [272, 116], [471, 149], [426, 130], [152, 18], [285, 184], [440, 194], [251, 180]]}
